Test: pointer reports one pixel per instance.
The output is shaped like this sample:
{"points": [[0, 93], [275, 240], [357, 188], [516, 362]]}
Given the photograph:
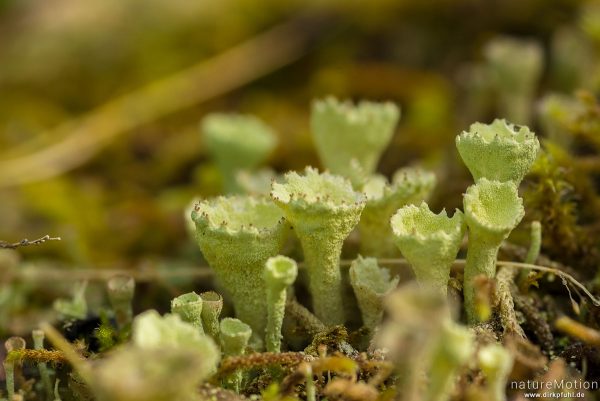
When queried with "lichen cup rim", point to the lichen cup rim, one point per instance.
{"points": [[493, 206]]}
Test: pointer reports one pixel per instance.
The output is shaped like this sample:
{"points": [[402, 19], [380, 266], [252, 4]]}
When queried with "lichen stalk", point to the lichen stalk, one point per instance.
{"points": [[38, 344], [495, 363], [121, 289], [453, 350], [280, 273]]}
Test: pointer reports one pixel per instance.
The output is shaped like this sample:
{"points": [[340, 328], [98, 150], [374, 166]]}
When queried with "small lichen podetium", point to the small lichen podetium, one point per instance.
{"points": [[454, 349], [121, 289], [492, 210], [280, 273], [514, 68], [409, 186], [236, 236], [237, 142], [323, 209], [189, 308], [166, 360], [371, 284], [212, 304], [429, 242], [234, 340], [495, 363], [499, 151], [343, 132]]}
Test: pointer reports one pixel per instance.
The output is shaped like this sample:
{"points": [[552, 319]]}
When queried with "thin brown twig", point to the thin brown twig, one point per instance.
{"points": [[26, 242]]}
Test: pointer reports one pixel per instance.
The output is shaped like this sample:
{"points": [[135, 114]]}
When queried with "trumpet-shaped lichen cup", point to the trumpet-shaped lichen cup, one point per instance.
{"points": [[343, 132], [236, 236], [323, 209], [409, 186], [237, 142], [429, 242], [189, 308], [492, 210], [371, 284], [498, 151]]}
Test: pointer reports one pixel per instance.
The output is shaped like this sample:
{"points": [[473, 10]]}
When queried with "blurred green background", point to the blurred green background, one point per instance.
{"points": [[100, 100]]}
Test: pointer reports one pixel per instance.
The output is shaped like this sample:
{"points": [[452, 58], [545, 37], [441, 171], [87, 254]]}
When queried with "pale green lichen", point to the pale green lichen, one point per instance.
{"points": [[495, 363], [189, 308], [452, 352], [237, 142], [151, 330], [411, 333], [429, 242], [74, 308], [498, 151], [323, 209], [12, 344], [212, 304], [236, 236], [514, 67], [371, 284], [121, 289], [492, 210], [234, 335], [280, 273], [343, 132], [409, 186], [38, 344]]}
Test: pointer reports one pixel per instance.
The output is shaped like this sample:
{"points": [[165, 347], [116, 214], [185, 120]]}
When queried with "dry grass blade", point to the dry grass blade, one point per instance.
{"points": [[86, 135]]}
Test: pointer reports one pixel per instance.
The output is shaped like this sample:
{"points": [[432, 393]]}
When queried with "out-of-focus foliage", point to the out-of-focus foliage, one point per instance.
{"points": [[120, 200]]}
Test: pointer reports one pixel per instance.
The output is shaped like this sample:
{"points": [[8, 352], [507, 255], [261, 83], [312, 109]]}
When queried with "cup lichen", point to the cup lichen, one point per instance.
{"points": [[280, 273], [498, 151], [237, 142], [323, 209], [234, 335], [189, 308], [409, 185], [237, 235], [343, 132], [492, 210], [429, 242], [212, 304], [371, 284]]}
